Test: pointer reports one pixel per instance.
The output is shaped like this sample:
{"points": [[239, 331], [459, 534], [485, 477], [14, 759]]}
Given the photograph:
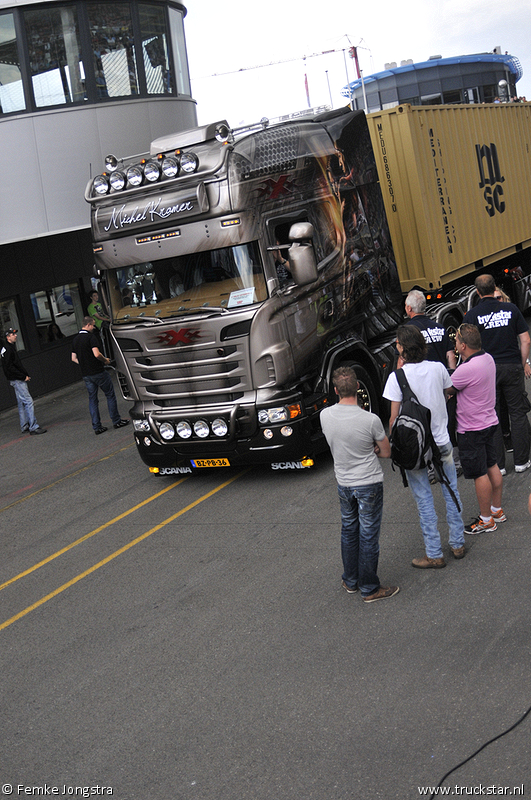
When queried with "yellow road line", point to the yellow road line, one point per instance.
{"points": [[88, 535], [64, 478], [119, 552]]}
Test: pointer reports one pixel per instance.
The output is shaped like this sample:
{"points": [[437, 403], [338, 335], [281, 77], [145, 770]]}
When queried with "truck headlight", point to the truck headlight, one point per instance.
{"points": [[141, 425]]}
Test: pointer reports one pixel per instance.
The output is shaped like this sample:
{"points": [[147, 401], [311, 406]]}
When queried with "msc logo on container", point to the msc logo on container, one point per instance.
{"points": [[490, 178]]}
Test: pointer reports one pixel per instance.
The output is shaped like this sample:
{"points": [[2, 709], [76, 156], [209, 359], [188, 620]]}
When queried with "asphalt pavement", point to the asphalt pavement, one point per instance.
{"points": [[222, 661]]}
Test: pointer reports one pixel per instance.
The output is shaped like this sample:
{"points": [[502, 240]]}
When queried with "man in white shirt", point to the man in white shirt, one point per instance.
{"points": [[430, 381]]}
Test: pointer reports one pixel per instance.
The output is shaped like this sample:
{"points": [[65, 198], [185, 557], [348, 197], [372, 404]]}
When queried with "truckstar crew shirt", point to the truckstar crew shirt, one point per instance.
{"points": [[475, 380], [428, 380], [351, 434], [435, 335], [500, 325], [82, 347]]}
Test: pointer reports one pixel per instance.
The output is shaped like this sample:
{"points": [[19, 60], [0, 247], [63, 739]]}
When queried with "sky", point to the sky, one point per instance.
{"points": [[251, 59]]}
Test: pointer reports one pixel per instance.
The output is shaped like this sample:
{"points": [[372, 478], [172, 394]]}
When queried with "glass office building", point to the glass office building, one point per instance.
{"points": [[462, 79], [78, 80]]}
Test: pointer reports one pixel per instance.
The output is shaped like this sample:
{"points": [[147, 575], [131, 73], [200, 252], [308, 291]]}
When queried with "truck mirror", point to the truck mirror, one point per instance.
{"points": [[301, 255]]}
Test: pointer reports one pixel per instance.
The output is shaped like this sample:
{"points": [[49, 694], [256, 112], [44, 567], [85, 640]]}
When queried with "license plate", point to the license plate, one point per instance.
{"points": [[211, 462]]}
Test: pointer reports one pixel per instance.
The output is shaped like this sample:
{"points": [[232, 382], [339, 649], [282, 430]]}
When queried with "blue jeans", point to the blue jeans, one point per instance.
{"points": [[101, 381], [26, 412], [420, 486], [361, 517]]}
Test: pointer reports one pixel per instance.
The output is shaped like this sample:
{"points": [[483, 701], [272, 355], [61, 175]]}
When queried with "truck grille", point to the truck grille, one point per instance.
{"points": [[202, 375]]}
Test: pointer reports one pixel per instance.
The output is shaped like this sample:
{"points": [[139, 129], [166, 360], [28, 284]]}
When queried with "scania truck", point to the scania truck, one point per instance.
{"points": [[241, 267]]}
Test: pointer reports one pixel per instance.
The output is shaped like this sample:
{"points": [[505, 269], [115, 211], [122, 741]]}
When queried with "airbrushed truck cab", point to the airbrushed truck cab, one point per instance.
{"points": [[225, 351]]}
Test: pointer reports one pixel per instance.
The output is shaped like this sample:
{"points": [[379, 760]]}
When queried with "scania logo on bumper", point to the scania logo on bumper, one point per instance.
{"points": [[182, 336]]}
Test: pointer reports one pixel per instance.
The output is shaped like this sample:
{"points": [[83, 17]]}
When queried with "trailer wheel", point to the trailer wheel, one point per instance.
{"points": [[451, 323], [367, 397]]}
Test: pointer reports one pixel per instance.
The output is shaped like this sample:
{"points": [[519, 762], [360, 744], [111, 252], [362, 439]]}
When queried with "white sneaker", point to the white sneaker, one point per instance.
{"points": [[503, 471], [522, 467]]}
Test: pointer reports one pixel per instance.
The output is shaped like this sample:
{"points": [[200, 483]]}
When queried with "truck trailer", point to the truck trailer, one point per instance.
{"points": [[241, 267]]}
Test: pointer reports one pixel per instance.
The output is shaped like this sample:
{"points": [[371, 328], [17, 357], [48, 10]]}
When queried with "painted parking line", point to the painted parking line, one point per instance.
{"points": [[119, 552], [89, 535]]}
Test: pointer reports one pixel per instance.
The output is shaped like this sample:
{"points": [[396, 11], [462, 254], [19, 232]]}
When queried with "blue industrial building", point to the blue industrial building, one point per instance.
{"points": [[480, 78]]}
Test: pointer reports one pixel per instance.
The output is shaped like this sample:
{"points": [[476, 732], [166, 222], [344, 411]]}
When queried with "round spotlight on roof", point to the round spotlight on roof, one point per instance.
{"points": [[170, 167], [189, 162], [134, 176], [222, 133], [100, 184], [152, 171], [117, 181], [111, 163]]}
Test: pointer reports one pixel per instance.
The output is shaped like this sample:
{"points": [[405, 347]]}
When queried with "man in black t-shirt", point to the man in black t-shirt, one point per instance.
{"points": [[86, 353], [505, 335], [440, 346]]}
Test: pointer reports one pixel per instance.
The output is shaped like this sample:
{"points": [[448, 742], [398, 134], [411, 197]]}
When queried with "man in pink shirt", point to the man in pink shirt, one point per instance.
{"points": [[475, 381]]}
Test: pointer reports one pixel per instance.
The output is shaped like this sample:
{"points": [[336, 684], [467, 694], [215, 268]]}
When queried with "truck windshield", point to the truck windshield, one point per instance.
{"points": [[228, 278]]}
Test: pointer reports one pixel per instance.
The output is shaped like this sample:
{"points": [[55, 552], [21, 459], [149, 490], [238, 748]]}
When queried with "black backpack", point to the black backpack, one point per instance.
{"points": [[412, 444]]}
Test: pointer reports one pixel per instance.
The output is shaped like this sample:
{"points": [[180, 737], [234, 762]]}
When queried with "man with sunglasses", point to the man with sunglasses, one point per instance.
{"points": [[505, 335]]}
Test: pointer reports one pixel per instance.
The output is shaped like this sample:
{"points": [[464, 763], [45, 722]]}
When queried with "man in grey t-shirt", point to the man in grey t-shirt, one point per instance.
{"points": [[356, 439]]}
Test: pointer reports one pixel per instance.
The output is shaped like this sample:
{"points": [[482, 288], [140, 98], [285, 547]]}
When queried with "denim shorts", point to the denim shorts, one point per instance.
{"points": [[477, 451]]}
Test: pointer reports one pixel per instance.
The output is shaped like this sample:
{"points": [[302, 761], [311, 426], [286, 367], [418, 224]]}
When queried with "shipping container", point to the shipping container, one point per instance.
{"points": [[456, 184]]}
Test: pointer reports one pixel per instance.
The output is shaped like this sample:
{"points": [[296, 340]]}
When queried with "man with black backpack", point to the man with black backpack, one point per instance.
{"points": [[431, 384]]}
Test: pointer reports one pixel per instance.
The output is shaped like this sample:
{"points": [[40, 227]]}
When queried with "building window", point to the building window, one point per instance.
{"points": [[11, 88], [452, 97], [155, 49], [58, 312], [431, 100], [89, 53], [54, 54], [179, 52], [472, 95], [9, 319], [113, 45]]}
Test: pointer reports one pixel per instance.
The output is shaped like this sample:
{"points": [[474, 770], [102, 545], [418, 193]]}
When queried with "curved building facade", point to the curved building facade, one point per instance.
{"points": [[462, 79], [78, 80]]}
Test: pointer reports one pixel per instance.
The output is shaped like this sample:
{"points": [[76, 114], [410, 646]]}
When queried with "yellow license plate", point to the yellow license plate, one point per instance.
{"points": [[211, 462]]}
